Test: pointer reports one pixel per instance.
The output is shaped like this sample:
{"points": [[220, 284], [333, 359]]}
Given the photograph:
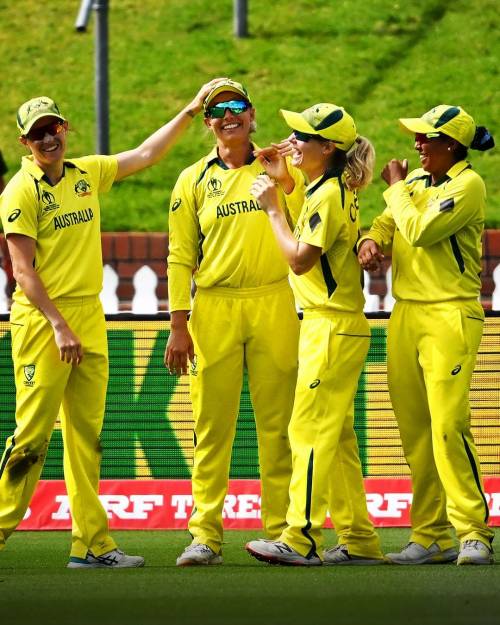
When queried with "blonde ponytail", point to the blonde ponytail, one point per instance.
{"points": [[360, 161]]}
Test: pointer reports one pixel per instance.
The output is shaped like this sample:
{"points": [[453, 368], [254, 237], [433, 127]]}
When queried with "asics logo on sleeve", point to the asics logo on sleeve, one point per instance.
{"points": [[456, 370], [14, 215], [176, 204], [315, 383]]}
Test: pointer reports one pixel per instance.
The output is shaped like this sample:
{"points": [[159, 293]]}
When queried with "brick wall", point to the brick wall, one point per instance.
{"points": [[127, 252]]}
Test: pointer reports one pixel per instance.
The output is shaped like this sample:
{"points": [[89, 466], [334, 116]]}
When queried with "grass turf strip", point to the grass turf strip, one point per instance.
{"points": [[35, 587]]}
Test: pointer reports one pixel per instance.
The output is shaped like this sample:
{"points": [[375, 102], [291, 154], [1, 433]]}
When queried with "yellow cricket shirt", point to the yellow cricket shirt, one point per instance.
{"points": [[330, 220], [217, 228], [64, 220], [435, 231]]}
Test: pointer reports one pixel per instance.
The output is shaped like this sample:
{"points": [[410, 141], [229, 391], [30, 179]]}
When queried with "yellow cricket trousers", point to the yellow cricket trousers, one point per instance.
{"points": [[432, 352], [44, 384], [232, 328], [326, 466]]}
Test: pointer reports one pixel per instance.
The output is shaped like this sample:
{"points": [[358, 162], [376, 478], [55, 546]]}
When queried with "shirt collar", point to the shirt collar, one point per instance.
{"points": [[316, 184], [458, 168], [28, 164], [213, 157], [453, 172]]}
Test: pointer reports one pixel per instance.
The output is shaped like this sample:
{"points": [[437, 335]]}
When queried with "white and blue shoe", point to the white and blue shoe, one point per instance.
{"points": [[115, 559]]}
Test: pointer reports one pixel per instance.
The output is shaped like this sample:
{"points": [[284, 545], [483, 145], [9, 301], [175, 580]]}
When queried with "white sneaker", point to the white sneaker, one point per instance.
{"points": [[196, 554], [275, 552], [340, 555], [474, 552], [414, 553], [115, 559]]}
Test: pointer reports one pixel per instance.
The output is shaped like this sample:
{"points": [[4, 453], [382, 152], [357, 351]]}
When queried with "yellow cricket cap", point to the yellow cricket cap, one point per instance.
{"points": [[226, 85], [32, 110], [326, 120], [449, 120]]}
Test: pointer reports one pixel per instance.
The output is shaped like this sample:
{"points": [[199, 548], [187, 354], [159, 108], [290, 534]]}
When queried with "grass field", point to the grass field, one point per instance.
{"points": [[36, 588], [380, 59]]}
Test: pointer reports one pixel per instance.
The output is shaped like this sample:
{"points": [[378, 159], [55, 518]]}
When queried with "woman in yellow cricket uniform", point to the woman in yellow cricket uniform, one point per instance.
{"points": [[243, 315], [434, 221], [51, 218], [334, 339]]}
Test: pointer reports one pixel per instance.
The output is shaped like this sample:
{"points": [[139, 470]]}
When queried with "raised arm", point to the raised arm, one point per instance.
{"points": [[154, 148]]}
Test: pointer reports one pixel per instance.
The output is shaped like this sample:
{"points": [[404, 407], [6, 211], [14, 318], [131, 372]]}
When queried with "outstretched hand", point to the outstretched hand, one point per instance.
{"points": [[273, 162], [395, 171], [273, 159]]}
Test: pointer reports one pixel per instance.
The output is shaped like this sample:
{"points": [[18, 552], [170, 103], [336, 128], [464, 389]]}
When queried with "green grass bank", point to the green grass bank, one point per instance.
{"points": [[380, 59]]}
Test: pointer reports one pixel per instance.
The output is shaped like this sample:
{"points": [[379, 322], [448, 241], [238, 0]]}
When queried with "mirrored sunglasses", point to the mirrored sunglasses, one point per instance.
{"points": [[235, 106], [53, 129]]}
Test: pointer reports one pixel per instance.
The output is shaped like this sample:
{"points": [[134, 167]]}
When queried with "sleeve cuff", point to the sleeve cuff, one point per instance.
{"points": [[373, 236], [179, 287]]}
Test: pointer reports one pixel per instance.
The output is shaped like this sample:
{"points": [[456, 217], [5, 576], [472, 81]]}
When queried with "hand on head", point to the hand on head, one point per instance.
{"points": [[197, 102]]}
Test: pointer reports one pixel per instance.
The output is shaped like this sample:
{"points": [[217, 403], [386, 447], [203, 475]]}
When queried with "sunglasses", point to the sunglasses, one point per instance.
{"points": [[53, 129], [424, 137], [235, 106], [304, 136]]}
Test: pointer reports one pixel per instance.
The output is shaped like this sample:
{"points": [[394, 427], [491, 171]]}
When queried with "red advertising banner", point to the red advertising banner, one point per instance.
{"points": [[167, 504]]}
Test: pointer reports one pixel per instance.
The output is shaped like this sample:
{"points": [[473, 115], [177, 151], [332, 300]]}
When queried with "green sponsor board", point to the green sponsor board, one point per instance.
{"points": [[148, 426]]}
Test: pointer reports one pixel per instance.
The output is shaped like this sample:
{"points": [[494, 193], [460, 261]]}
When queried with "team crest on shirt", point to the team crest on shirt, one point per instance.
{"points": [[82, 188], [214, 187], [49, 202], [29, 374]]}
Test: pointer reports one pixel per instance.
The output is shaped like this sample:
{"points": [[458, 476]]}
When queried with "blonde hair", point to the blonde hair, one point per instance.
{"points": [[359, 164]]}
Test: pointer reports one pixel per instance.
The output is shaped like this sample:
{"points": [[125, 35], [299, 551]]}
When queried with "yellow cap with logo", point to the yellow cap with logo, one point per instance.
{"points": [[226, 85], [326, 120], [32, 110], [448, 120]]}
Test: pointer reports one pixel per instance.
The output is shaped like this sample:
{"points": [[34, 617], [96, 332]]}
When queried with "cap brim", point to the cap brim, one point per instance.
{"points": [[416, 125], [221, 89], [27, 128], [297, 122]]}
